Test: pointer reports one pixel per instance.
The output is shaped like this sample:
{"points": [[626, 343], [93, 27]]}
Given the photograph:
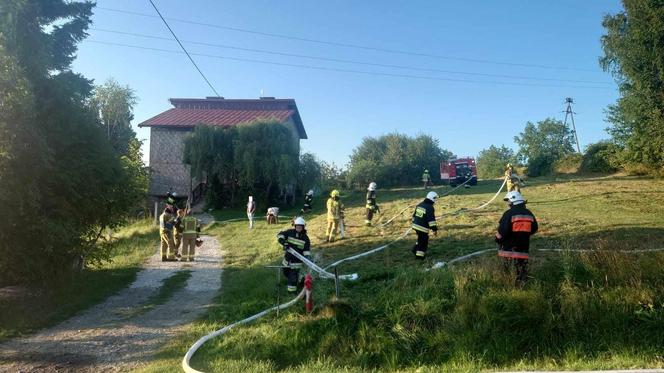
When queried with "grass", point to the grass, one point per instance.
{"points": [[38, 308], [598, 310]]}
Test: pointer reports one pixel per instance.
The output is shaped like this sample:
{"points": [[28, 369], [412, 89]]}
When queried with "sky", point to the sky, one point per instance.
{"points": [[460, 80]]}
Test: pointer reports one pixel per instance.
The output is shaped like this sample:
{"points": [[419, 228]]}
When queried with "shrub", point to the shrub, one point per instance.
{"points": [[600, 157]]}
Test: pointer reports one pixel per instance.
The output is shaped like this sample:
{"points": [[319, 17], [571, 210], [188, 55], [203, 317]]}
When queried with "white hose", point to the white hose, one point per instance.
{"points": [[192, 350], [459, 259], [604, 251], [323, 273], [370, 251], [411, 205]]}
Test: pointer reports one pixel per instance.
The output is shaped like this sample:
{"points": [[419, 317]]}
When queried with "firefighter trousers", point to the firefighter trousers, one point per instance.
{"points": [[292, 276], [167, 245], [521, 266], [188, 246], [177, 240], [420, 248], [370, 214], [332, 228]]}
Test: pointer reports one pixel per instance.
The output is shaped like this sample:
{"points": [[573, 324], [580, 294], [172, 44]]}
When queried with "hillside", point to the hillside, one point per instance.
{"points": [[603, 309]]}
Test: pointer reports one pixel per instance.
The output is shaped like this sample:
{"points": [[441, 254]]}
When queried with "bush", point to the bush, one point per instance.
{"points": [[395, 159], [600, 157], [569, 164], [540, 165]]}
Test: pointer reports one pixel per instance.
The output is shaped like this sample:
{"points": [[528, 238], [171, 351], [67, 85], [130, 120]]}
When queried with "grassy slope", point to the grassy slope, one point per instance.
{"points": [[130, 247], [602, 310]]}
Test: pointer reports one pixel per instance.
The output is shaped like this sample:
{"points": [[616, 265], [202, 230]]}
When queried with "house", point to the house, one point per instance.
{"points": [[169, 129]]}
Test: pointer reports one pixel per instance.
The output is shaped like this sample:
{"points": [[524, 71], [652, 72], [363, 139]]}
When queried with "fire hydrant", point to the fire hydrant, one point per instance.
{"points": [[308, 296]]}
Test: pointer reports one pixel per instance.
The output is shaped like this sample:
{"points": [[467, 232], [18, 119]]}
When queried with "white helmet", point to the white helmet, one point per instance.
{"points": [[310, 192], [299, 221], [432, 196], [514, 198], [372, 186]]}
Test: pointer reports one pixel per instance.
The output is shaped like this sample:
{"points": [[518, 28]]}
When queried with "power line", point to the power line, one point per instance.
{"points": [[343, 70], [348, 61], [348, 45], [182, 46]]}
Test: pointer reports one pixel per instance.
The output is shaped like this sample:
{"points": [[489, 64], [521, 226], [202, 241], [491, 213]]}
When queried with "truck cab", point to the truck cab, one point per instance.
{"points": [[458, 171]]}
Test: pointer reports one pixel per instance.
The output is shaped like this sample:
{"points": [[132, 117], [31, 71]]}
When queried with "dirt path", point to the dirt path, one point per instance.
{"points": [[113, 336]]}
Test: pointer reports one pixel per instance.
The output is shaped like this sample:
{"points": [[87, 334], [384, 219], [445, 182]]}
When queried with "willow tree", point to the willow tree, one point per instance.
{"points": [[259, 157]]}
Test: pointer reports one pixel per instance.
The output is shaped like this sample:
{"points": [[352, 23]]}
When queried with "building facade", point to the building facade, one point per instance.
{"points": [[169, 129]]}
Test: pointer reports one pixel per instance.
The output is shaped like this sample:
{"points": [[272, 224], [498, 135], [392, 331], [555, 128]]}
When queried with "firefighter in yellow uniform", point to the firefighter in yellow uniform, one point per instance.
{"points": [[191, 228], [426, 179], [177, 231], [334, 214], [166, 235], [512, 179]]}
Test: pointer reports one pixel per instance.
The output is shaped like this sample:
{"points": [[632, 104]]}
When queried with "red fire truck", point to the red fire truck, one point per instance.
{"points": [[458, 171]]}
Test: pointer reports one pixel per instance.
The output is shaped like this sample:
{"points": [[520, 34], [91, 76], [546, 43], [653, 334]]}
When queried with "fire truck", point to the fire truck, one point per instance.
{"points": [[458, 171]]}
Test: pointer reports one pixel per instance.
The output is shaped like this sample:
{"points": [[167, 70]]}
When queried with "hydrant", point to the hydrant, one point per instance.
{"points": [[308, 296]]}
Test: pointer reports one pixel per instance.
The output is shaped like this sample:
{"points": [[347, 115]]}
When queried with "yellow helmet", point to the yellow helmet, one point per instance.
{"points": [[335, 193]]}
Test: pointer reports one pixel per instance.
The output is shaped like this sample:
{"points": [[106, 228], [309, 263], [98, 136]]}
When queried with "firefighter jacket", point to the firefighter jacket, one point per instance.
{"points": [[514, 230], [371, 200], [334, 209], [426, 177], [165, 222], [191, 226], [299, 242], [424, 217], [308, 200]]}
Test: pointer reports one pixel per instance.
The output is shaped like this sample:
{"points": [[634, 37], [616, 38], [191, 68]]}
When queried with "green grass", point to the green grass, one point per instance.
{"points": [[38, 308], [579, 311]]}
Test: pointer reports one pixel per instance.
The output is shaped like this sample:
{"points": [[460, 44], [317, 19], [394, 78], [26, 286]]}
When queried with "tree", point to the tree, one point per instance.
{"points": [[492, 161], [62, 184], [259, 157], [634, 55], [114, 105], [394, 159], [542, 145], [310, 172]]}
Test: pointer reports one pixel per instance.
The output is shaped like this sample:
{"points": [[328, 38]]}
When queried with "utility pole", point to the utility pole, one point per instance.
{"points": [[569, 113]]}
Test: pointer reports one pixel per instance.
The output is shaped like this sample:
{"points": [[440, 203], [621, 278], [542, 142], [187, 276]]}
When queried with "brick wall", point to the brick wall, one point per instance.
{"points": [[168, 171]]}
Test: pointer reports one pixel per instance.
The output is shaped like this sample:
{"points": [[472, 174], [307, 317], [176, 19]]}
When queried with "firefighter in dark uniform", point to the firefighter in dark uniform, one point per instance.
{"points": [[296, 239], [372, 206], [308, 201], [514, 230], [424, 219]]}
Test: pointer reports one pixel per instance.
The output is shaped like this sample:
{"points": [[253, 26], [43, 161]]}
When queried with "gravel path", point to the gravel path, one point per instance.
{"points": [[112, 336]]}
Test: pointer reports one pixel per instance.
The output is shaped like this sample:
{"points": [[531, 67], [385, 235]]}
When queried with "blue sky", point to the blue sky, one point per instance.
{"points": [[340, 108]]}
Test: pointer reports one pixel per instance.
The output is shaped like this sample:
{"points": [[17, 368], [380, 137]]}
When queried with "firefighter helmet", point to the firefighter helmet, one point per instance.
{"points": [[432, 196], [299, 221], [335, 193], [514, 198], [372, 186], [310, 192], [426, 171]]}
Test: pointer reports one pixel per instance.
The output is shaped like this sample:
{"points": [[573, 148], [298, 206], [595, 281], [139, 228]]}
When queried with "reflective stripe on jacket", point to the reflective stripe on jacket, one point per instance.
{"points": [[424, 217]]}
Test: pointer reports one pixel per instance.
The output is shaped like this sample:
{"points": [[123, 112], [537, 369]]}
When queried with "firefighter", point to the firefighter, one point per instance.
{"points": [[513, 181], [514, 230], [334, 215], [424, 219], [166, 235], [308, 201], [295, 238], [177, 231], [371, 206], [251, 209], [426, 179], [191, 230]]}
